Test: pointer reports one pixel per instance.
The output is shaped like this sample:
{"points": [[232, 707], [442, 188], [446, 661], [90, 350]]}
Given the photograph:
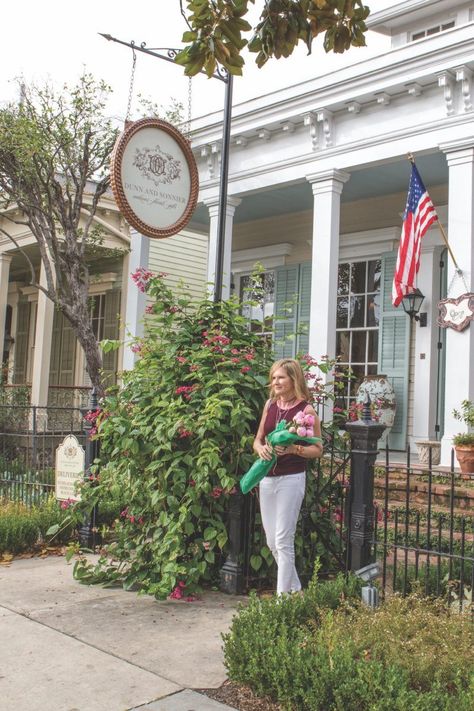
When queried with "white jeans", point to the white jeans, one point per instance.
{"points": [[280, 503]]}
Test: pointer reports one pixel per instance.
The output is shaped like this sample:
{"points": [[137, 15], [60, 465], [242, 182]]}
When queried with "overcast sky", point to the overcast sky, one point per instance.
{"points": [[54, 40]]}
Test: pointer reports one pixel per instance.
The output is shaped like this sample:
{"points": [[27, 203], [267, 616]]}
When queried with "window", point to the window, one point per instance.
{"points": [[260, 290], [357, 323], [98, 315], [432, 30]]}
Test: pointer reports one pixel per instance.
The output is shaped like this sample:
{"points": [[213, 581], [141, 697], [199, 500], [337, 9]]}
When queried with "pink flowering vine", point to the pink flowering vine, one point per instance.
{"points": [[141, 277]]}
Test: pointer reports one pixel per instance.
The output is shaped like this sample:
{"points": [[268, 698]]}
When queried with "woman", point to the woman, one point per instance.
{"points": [[282, 490]]}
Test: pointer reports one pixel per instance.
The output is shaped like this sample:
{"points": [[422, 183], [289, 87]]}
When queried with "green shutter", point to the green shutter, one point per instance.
{"points": [[292, 310], [63, 352], [304, 308], [21, 343], [286, 296], [394, 345], [111, 331]]}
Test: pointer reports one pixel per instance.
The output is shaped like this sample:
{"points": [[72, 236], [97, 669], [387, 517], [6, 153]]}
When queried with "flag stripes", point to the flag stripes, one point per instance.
{"points": [[419, 215]]}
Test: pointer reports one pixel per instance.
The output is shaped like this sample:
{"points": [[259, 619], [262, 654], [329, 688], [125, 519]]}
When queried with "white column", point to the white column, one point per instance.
{"points": [[135, 299], [459, 381], [42, 352], [5, 261], [327, 189], [426, 348], [213, 207]]}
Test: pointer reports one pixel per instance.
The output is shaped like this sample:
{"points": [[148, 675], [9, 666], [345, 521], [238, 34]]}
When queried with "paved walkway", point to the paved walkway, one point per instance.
{"points": [[71, 647]]}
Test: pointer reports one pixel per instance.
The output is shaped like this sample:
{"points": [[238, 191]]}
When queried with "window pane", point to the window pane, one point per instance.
{"points": [[373, 309], [342, 346], [343, 279], [373, 346], [371, 370], [357, 311], [358, 373], [373, 275], [342, 308], [359, 339], [358, 278]]}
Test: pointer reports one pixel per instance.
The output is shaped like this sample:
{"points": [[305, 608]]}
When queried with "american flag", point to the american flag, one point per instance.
{"points": [[419, 215]]}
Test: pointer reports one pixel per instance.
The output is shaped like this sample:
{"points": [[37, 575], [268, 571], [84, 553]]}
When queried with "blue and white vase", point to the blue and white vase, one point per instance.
{"points": [[382, 397]]}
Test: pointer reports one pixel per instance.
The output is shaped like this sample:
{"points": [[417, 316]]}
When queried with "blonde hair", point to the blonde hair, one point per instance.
{"points": [[294, 370]]}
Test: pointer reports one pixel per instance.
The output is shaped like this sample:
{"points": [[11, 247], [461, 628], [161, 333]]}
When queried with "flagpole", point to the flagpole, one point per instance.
{"points": [[441, 228]]}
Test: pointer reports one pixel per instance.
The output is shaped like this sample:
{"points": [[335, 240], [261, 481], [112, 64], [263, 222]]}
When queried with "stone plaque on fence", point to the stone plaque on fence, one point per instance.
{"points": [[70, 464]]}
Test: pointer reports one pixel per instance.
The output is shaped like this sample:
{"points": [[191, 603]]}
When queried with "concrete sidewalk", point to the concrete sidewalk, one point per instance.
{"points": [[71, 647]]}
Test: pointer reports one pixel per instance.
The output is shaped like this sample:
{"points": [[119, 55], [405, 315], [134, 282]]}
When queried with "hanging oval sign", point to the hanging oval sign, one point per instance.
{"points": [[154, 177]]}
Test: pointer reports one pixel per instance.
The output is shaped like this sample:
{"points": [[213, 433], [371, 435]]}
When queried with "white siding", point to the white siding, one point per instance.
{"points": [[182, 257]]}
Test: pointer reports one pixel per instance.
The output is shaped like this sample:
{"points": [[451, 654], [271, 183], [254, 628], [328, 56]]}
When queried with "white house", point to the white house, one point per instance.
{"points": [[317, 187]]}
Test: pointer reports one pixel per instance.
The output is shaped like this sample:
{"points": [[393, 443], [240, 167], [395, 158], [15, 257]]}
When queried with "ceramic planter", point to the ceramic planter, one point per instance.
{"points": [[465, 457], [424, 447]]}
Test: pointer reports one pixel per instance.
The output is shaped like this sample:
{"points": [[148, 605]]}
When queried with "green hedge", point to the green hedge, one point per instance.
{"points": [[327, 652], [21, 527]]}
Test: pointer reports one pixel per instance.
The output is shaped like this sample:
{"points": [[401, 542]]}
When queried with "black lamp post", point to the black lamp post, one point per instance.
{"points": [[412, 304], [223, 75]]}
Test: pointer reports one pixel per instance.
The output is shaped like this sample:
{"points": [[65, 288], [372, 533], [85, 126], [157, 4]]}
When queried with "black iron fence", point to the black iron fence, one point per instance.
{"points": [[29, 437], [424, 530]]}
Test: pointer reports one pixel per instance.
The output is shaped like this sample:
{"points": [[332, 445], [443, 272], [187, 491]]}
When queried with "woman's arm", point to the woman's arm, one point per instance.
{"points": [[260, 446]]}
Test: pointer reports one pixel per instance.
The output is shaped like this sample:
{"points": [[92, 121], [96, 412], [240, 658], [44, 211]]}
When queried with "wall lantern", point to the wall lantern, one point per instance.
{"points": [[412, 304]]}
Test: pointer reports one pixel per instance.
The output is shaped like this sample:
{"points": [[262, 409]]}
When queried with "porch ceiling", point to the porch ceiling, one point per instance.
{"points": [[366, 182]]}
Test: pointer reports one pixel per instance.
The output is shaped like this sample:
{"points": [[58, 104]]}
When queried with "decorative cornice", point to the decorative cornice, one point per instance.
{"points": [[388, 71]]}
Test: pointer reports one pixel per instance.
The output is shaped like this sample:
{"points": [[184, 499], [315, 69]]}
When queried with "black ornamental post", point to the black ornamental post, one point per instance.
{"points": [[88, 535], [231, 573], [364, 434]]}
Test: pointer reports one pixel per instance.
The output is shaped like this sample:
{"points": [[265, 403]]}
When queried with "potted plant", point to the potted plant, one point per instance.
{"points": [[464, 441]]}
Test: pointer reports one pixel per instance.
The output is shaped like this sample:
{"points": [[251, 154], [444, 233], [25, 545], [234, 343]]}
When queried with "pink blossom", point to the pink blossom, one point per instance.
{"points": [[301, 431], [249, 356], [136, 348], [149, 309], [292, 430], [309, 432], [162, 275], [182, 584], [216, 492], [309, 420], [235, 351], [141, 277], [193, 367], [299, 418], [192, 483], [235, 360], [245, 369], [181, 359], [67, 503]]}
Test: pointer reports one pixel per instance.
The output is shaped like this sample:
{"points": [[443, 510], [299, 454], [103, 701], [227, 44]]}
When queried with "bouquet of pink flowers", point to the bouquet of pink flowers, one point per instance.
{"points": [[300, 429]]}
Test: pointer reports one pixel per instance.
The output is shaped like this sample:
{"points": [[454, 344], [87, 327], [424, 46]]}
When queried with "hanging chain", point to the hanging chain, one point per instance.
{"points": [[130, 91], [190, 100], [458, 274]]}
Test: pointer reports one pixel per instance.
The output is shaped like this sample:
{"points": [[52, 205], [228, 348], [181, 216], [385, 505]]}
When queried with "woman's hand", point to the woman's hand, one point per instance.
{"points": [[279, 450], [264, 451]]}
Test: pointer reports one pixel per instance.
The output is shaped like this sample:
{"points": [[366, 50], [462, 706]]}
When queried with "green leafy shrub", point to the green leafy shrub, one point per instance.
{"points": [[22, 527], [175, 440], [328, 652]]}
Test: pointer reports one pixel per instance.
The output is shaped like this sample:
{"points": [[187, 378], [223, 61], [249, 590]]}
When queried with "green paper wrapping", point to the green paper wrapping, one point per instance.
{"points": [[260, 468]]}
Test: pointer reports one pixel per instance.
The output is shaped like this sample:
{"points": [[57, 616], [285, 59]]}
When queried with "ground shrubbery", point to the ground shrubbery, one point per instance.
{"points": [[328, 652], [22, 527]]}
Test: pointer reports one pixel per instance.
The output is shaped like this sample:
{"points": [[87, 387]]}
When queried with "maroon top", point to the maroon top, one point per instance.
{"points": [[287, 463]]}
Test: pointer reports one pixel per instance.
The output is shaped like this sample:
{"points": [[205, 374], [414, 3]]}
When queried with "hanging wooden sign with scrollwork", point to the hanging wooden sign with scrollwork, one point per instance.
{"points": [[154, 177], [456, 313]]}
